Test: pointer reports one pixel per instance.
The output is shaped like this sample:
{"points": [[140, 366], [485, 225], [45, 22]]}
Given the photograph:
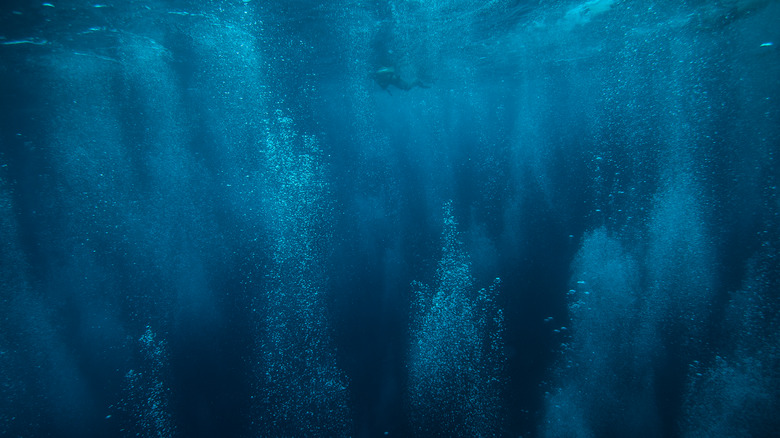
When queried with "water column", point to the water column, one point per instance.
{"points": [[456, 357]]}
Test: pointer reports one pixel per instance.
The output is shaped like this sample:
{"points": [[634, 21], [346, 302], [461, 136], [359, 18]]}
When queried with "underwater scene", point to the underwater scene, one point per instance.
{"points": [[390, 218]]}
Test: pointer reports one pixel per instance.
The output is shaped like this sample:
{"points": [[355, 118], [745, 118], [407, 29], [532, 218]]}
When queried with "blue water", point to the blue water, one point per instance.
{"points": [[450, 218]]}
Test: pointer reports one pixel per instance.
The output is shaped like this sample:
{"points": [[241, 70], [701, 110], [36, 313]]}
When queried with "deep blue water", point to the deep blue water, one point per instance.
{"points": [[389, 218]]}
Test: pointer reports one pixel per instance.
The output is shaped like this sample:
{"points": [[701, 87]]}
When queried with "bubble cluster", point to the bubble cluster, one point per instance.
{"points": [[456, 357], [147, 402], [300, 391], [604, 380], [734, 391]]}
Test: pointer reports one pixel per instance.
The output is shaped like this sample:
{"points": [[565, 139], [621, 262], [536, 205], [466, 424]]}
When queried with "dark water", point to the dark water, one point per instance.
{"points": [[389, 218]]}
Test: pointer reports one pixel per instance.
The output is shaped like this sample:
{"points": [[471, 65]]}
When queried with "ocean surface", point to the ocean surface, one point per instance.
{"points": [[389, 218]]}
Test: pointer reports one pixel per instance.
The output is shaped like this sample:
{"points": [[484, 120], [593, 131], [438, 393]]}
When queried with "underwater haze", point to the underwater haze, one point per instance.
{"points": [[389, 218]]}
